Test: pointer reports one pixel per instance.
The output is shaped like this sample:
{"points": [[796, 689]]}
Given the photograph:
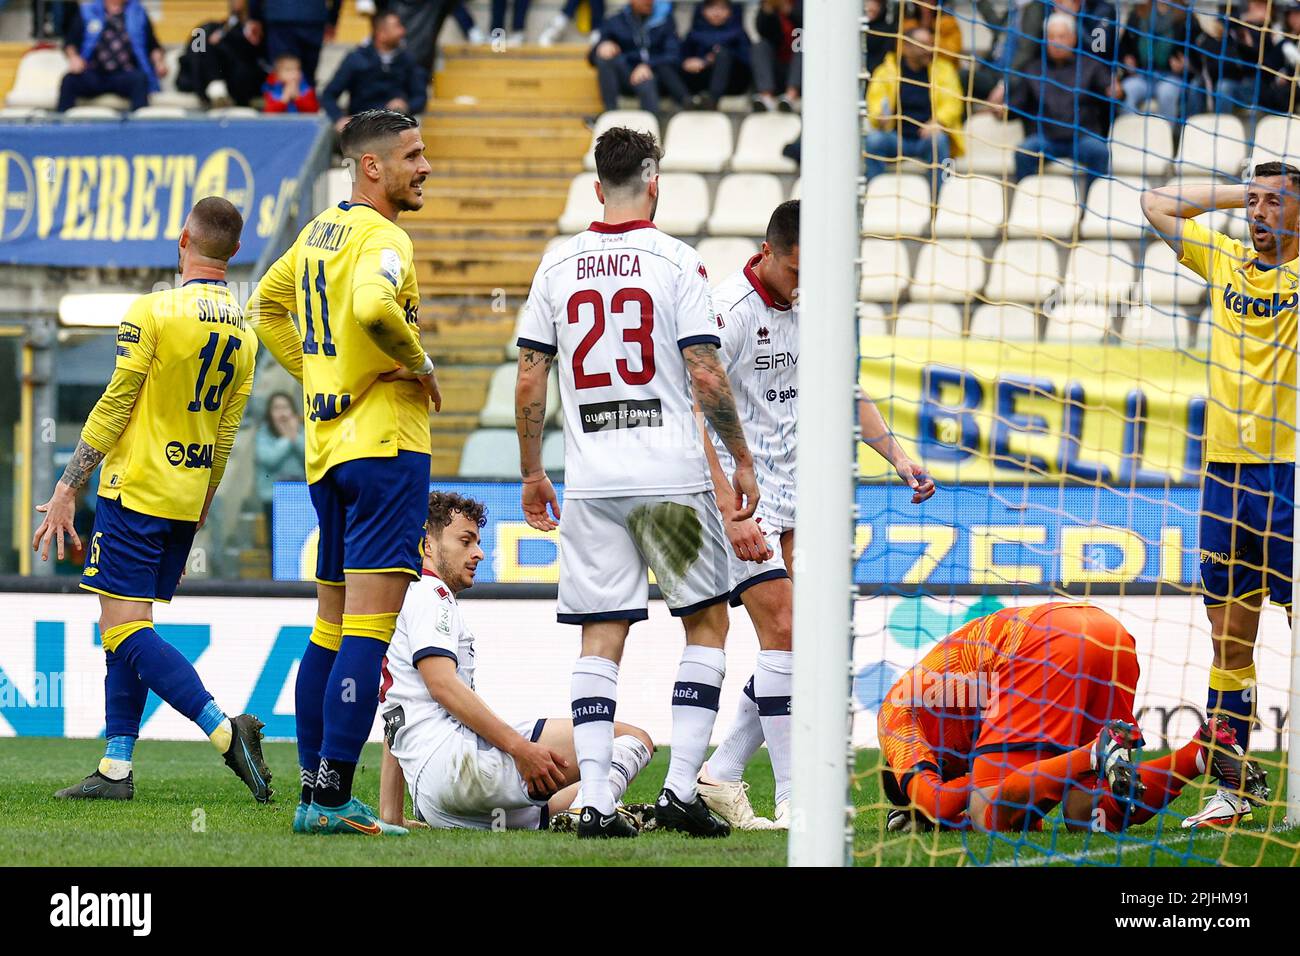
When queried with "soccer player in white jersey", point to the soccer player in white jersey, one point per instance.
{"points": [[627, 312], [759, 327], [465, 767]]}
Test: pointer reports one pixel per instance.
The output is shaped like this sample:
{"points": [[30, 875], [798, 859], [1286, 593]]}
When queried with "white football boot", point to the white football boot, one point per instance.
{"points": [[731, 802]]}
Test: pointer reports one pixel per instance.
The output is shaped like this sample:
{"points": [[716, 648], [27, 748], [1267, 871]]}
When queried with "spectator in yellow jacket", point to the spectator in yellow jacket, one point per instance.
{"points": [[947, 31], [914, 107]]}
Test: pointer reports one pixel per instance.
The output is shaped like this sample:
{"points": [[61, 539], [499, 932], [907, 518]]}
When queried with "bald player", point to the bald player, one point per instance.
{"points": [[163, 429]]}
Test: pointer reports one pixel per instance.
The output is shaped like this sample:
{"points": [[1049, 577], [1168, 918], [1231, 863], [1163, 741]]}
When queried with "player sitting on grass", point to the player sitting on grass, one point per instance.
{"points": [[466, 767], [1020, 710], [163, 429]]}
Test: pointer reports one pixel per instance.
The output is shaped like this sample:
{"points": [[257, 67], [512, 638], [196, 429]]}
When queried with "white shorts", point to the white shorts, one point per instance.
{"points": [[467, 784], [745, 574], [607, 544]]}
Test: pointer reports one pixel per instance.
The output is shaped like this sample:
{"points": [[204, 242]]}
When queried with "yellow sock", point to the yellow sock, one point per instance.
{"points": [[1239, 679], [377, 626], [222, 736], [327, 634]]}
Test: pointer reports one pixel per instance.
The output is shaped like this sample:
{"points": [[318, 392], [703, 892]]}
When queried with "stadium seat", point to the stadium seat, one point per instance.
{"points": [[1023, 270], [796, 191], [490, 453], [1113, 210], [168, 95], [897, 206], [951, 270], [552, 451], [94, 113], [1165, 282], [683, 203], [1141, 145], [722, 257], [697, 143], [234, 112], [886, 271], [744, 203], [871, 321], [761, 139], [971, 207], [990, 146], [1078, 324], [1010, 323], [98, 309], [499, 406], [928, 320], [1159, 325], [1044, 206], [1099, 270], [162, 113], [512, 347], [17, 114], [632, 119], [582, 208], [37, 81], [338, 186], [976, 38], [1213, 144], [1277, 139]]}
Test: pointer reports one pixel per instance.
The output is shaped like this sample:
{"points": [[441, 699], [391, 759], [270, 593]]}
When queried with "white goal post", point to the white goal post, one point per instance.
{"points": [[828, 373]]}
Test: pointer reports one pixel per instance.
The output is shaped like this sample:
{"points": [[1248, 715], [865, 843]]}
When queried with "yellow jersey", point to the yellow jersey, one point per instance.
{"points": [[1250, 415], [196, 353], [349, 254]]}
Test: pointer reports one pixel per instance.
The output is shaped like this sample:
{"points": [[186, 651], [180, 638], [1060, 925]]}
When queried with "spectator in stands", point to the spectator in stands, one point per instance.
{"points": [[914, 107], [1097, 23], [931, 15], [1161, 60], [1289, 33], [280, 451], [229, 66], [715, 54], [111, 48], [634, 55], [378, 74], [882, 33], [778, 55], [286, 90], [1247, 63], [465, 21], [1065, 102], [518, 20], [300, 27], [423, 20]]}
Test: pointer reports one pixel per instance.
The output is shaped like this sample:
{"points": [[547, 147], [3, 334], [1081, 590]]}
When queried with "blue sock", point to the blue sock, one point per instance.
{"points": [[210, 717], [351, 699], [119, 748], [1233, 705], [166, 672], [309, 711], [125, 695]]}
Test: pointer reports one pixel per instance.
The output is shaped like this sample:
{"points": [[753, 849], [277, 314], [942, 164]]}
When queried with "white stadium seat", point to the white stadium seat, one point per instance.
{"points": [[161, 113], [1213, 144], [169, 95], [1082, 324], [37, 81], [886, 270], [338, 186], [990, 146], [871, 321], [744, 203], [233, 112], [11, 114], [1277, 139], [581, 208], [697, 143], [1098, 268], [1165, 282], [683, 204], [796, 191], [1023, 270], [632, 119], [96, 113], [490, 453], [1141, 145], [929, 320], [1044, 206], [897, 205], [552, 450], [1160, 325], [951, 270], [970, 206], [722, 257], [1113, 210], [1004, 323], [499, 407], [761, 139]]}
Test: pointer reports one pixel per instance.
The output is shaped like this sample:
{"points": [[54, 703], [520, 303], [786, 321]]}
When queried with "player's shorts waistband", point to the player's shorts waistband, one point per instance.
{"points": [[1020, 747]]}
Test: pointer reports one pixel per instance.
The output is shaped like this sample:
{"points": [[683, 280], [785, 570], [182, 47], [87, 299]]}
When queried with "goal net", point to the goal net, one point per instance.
{"points": [[1085, 400]]}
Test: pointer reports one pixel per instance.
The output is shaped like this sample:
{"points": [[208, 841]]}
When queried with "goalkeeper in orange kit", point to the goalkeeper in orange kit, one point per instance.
{"points": [[1025, 709]]}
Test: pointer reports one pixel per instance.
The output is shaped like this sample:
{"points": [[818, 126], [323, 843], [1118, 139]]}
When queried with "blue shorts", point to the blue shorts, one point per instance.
{"points": [[371, 513], [135, 556], [1247, 529]]}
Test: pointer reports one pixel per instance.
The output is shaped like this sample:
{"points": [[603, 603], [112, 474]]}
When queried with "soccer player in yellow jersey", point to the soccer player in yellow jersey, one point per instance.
{"points": [[1247, 523], [367, 382], [163, 429]]}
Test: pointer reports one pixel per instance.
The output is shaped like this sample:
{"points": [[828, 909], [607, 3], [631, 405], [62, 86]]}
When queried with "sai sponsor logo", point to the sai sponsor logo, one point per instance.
{"points": [[193, 455]]}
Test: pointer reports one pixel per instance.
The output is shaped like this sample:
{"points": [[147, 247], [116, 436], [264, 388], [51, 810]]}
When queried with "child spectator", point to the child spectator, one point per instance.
{"points": [[778, 56], [715, 54], [285, 90]]}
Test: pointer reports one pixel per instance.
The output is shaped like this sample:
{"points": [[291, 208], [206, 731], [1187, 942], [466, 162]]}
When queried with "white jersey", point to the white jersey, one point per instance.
{"points": [[760, 351], [430, 624], [617, 304]]}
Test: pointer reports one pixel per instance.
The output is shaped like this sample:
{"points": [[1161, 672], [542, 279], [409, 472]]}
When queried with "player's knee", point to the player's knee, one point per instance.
{"points": [[777, 634], [644, 737]]}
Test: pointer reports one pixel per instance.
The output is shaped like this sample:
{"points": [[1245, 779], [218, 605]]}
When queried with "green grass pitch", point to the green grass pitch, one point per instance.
{"points": [[189, 810]]}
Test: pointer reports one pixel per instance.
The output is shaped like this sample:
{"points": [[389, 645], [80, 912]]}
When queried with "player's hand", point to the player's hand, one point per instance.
{"points": [[542, 769], [398, 104], [59, 512], [745, 485], [75, 63], [537, 495], [428, 382], [641, 74], [914, 476], [747, 540], [608, 49], [693, 64]]}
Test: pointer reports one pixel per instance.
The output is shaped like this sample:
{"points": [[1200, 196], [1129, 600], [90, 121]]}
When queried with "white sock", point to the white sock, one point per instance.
{"points": [[630, 757], [727, 764], [595, 693], [114, 769], [695, 710], [772, 689]]}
